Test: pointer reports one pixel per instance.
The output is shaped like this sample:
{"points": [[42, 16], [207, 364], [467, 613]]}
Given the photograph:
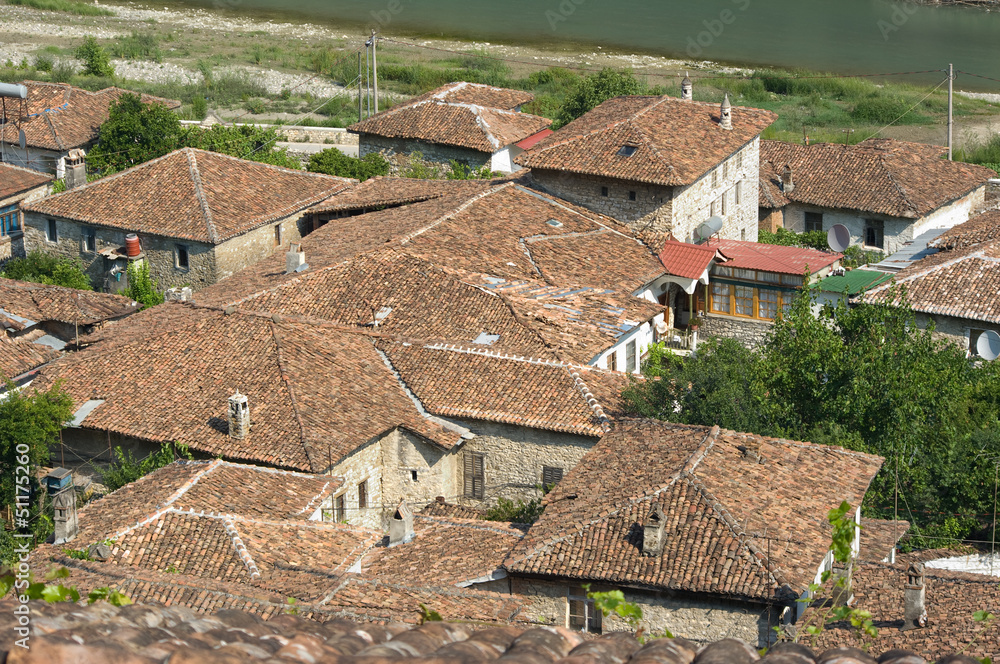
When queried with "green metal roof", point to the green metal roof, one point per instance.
{"points": [[854, 281]]}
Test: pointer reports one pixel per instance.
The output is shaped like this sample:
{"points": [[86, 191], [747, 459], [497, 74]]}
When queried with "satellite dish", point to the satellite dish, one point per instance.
{"points": [[838, 237], [709, 228], [988, 345], [22, 140]]}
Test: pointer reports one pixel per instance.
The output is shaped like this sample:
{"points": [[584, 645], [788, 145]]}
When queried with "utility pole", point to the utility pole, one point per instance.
{"points": [[360, 115], [368, 79], [847, 135], [951, 120], [375, 68]]}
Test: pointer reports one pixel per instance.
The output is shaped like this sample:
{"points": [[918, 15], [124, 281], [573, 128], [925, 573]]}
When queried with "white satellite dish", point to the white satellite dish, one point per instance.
{"points": [[838, 237], [709, 228], [988, 345]]}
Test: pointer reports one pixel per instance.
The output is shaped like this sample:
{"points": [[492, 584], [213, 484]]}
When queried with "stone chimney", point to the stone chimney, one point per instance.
{"points": [[787, 185], [76, 169], [295, 260], [914, 611], [239, 416], [178, 294], [652, 532], [59, 483], [401, 525], [687, 90], [726, 113]]}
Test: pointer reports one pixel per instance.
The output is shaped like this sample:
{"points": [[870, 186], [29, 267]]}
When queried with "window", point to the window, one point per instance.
{"points": [[814, 221], [51, 233], [413, 475], [551, 476], [631, 195], [749, 301], [583, 615], [743, 300], [791, 279], [339, 511], [630, 356], [89, 240], [874, 232], [277, 235], [743, 234], [767, 304], [739, 192], [720, 298], [739, 160], [363, 495], [181, 256], [626, 150], [613, 361], [604, 191], [713, 209], [715, 178], [8, 219], [725, 170], [723, 203], [475, 477]]}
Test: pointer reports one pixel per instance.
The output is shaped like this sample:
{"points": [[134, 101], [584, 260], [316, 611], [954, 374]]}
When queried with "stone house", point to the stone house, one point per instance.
{"points": [[61, 118], [885, 192], [199, 217], [476, 125], [17, 185], [711, 532], [658, 164]]}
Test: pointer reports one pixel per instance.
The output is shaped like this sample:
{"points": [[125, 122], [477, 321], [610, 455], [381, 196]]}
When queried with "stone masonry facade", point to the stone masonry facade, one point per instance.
{"points": [[954, 330], [399, 151], [12, 246], [750, 333]]}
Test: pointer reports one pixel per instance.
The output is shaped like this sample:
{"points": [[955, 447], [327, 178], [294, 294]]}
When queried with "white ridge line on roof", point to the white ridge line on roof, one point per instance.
{"points": [[556, 203], [318, 497], [191, 482], [241, 549]]}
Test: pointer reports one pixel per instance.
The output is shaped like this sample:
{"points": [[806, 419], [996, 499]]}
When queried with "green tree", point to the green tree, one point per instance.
{"points": [[126, 469], [594, 90], [334, 162], [133, 134], [43, 268], [96, 61], [244, 141], [141, 286]]}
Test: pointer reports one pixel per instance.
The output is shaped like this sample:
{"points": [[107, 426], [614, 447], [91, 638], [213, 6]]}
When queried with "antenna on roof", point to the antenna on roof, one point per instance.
{"points": [[988, 345], [838, 237]]}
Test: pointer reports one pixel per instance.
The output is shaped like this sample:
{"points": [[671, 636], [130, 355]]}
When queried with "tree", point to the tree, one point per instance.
{"points": [[127, 469], [244, 141], [96, 61], [334, 162], [43, 268], [133, 134], [141, 287], [595, 89]]}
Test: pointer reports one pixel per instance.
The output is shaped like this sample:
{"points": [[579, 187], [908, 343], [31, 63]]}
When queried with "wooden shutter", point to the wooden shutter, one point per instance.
{"points": [[550, 476], [363, 495], [474, 475]]}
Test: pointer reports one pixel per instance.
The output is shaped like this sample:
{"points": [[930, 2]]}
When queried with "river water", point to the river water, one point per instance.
{"points": [[840, 36]]}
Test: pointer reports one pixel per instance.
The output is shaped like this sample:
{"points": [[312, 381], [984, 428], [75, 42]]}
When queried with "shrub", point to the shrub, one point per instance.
{"points": [[96, 61], [44, 63], [256, 106], [43, 268], [883, 110], [63, 72], [334, 162], [126, 469], [596, 89], [138, 46], [519, 512], [199, 107], [141, 286]]}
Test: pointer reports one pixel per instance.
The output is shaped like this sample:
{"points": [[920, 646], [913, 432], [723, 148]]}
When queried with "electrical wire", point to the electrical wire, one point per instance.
{"points": [[922, 99]]}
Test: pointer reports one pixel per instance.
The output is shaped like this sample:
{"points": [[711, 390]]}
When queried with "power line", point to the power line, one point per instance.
{"points": [[922, 99]]}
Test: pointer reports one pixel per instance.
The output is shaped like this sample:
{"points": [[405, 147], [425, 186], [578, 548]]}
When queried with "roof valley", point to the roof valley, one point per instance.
{"points": [[283, 370]]}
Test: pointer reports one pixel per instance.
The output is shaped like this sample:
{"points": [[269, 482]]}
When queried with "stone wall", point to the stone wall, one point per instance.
{"points": [[364, 464], [750, 333], [952, 329], [398, 152], [300, 133], [253, 246], [12, 246], [770, 220], [698, 618]]}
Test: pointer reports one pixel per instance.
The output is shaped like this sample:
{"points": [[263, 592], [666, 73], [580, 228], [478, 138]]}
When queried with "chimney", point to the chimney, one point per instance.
{"points": [[295, 260], [239, 416], [59, 483], [401, 525], [914, 612], [652, 532], [726, 113], [687, 91], [76, 169], [178, 294], [787, 185]]}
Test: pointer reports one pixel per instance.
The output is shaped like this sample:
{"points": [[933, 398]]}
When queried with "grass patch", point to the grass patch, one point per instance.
{"points": [[984, 153], [138, 46], [67, 6]]}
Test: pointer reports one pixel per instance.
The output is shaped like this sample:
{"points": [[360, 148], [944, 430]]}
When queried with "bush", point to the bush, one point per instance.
{"points": [[519, 512], [141, 286], [256, 106], [199, 108], [43, 268], [96, 61], [63, 72], [44, 63], [595, 89], [138, 46], [334, 162], [983, 153], [79, 8], [884, 110], [126, 469]]}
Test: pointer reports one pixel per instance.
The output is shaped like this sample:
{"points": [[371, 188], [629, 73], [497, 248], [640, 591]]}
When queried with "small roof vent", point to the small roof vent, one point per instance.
{"points": [[382, 314], [627, 150], [554, 223], [485, 339]]}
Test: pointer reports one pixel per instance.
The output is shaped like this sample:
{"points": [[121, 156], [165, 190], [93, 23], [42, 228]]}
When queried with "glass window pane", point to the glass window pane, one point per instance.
{"points": [[720, 298], [791, 279], [723, 271], [767, 304], [743, 300], [746, 274], [768, 277]]}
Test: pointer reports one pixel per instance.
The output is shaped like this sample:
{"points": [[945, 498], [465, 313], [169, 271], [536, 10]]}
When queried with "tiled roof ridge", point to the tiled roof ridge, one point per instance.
{"points": [[184, 488], [461, 208], [745, 540], [199, 194], [911, 210], [24, 169], [55, 134], [458, 348], [592, 402], [241, 549], [606, 126], [283, 370], [475, 524]]}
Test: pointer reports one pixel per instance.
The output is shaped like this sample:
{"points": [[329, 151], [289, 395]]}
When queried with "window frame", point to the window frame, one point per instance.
{"points": [[340, 508], [88, 239], [589, 617], [613, 361], [631, 356], [180, 249], [277, 235], [9, 220], [52, 231], [809, 220], [363, 495], [474, 483], [781, 302], [632, 195], [551, 475], [604, 192], [877, 226]]}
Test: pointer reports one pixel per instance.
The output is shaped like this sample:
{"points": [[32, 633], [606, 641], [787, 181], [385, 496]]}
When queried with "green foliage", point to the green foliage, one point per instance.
{"points": [[43, 268], [429, 615], [515, 512], [199, 107], [985, 153], [96, 61], [109, 595], [141, 286], [126, 469], [420, 169], [77, 554], [613, 602], [595, 89], [256, 106], [884, 110], [292, 609], [138, 46], [334, 162], [44, 63], [244, 141], [460, 171], [78, 8], [133, 134]]}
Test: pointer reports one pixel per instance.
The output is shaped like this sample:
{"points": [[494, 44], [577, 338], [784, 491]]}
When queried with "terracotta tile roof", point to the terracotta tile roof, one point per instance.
{"points": [[879, 537], [439, 507], [62, 117], [978, 229], [722, 493], [950, 599], [194, 195], [675, 141], [18, 356], [460, 114], [883, 176], [688, 260], [964, 283], [16, 180], [379, 192], [445, 551], [769, 194], [43, 302], [773, 257]]}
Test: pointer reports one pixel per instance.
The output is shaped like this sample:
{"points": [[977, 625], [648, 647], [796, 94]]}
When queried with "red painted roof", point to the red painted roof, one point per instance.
{"points": [[532, 140], [773, 257], [686, 260]]}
